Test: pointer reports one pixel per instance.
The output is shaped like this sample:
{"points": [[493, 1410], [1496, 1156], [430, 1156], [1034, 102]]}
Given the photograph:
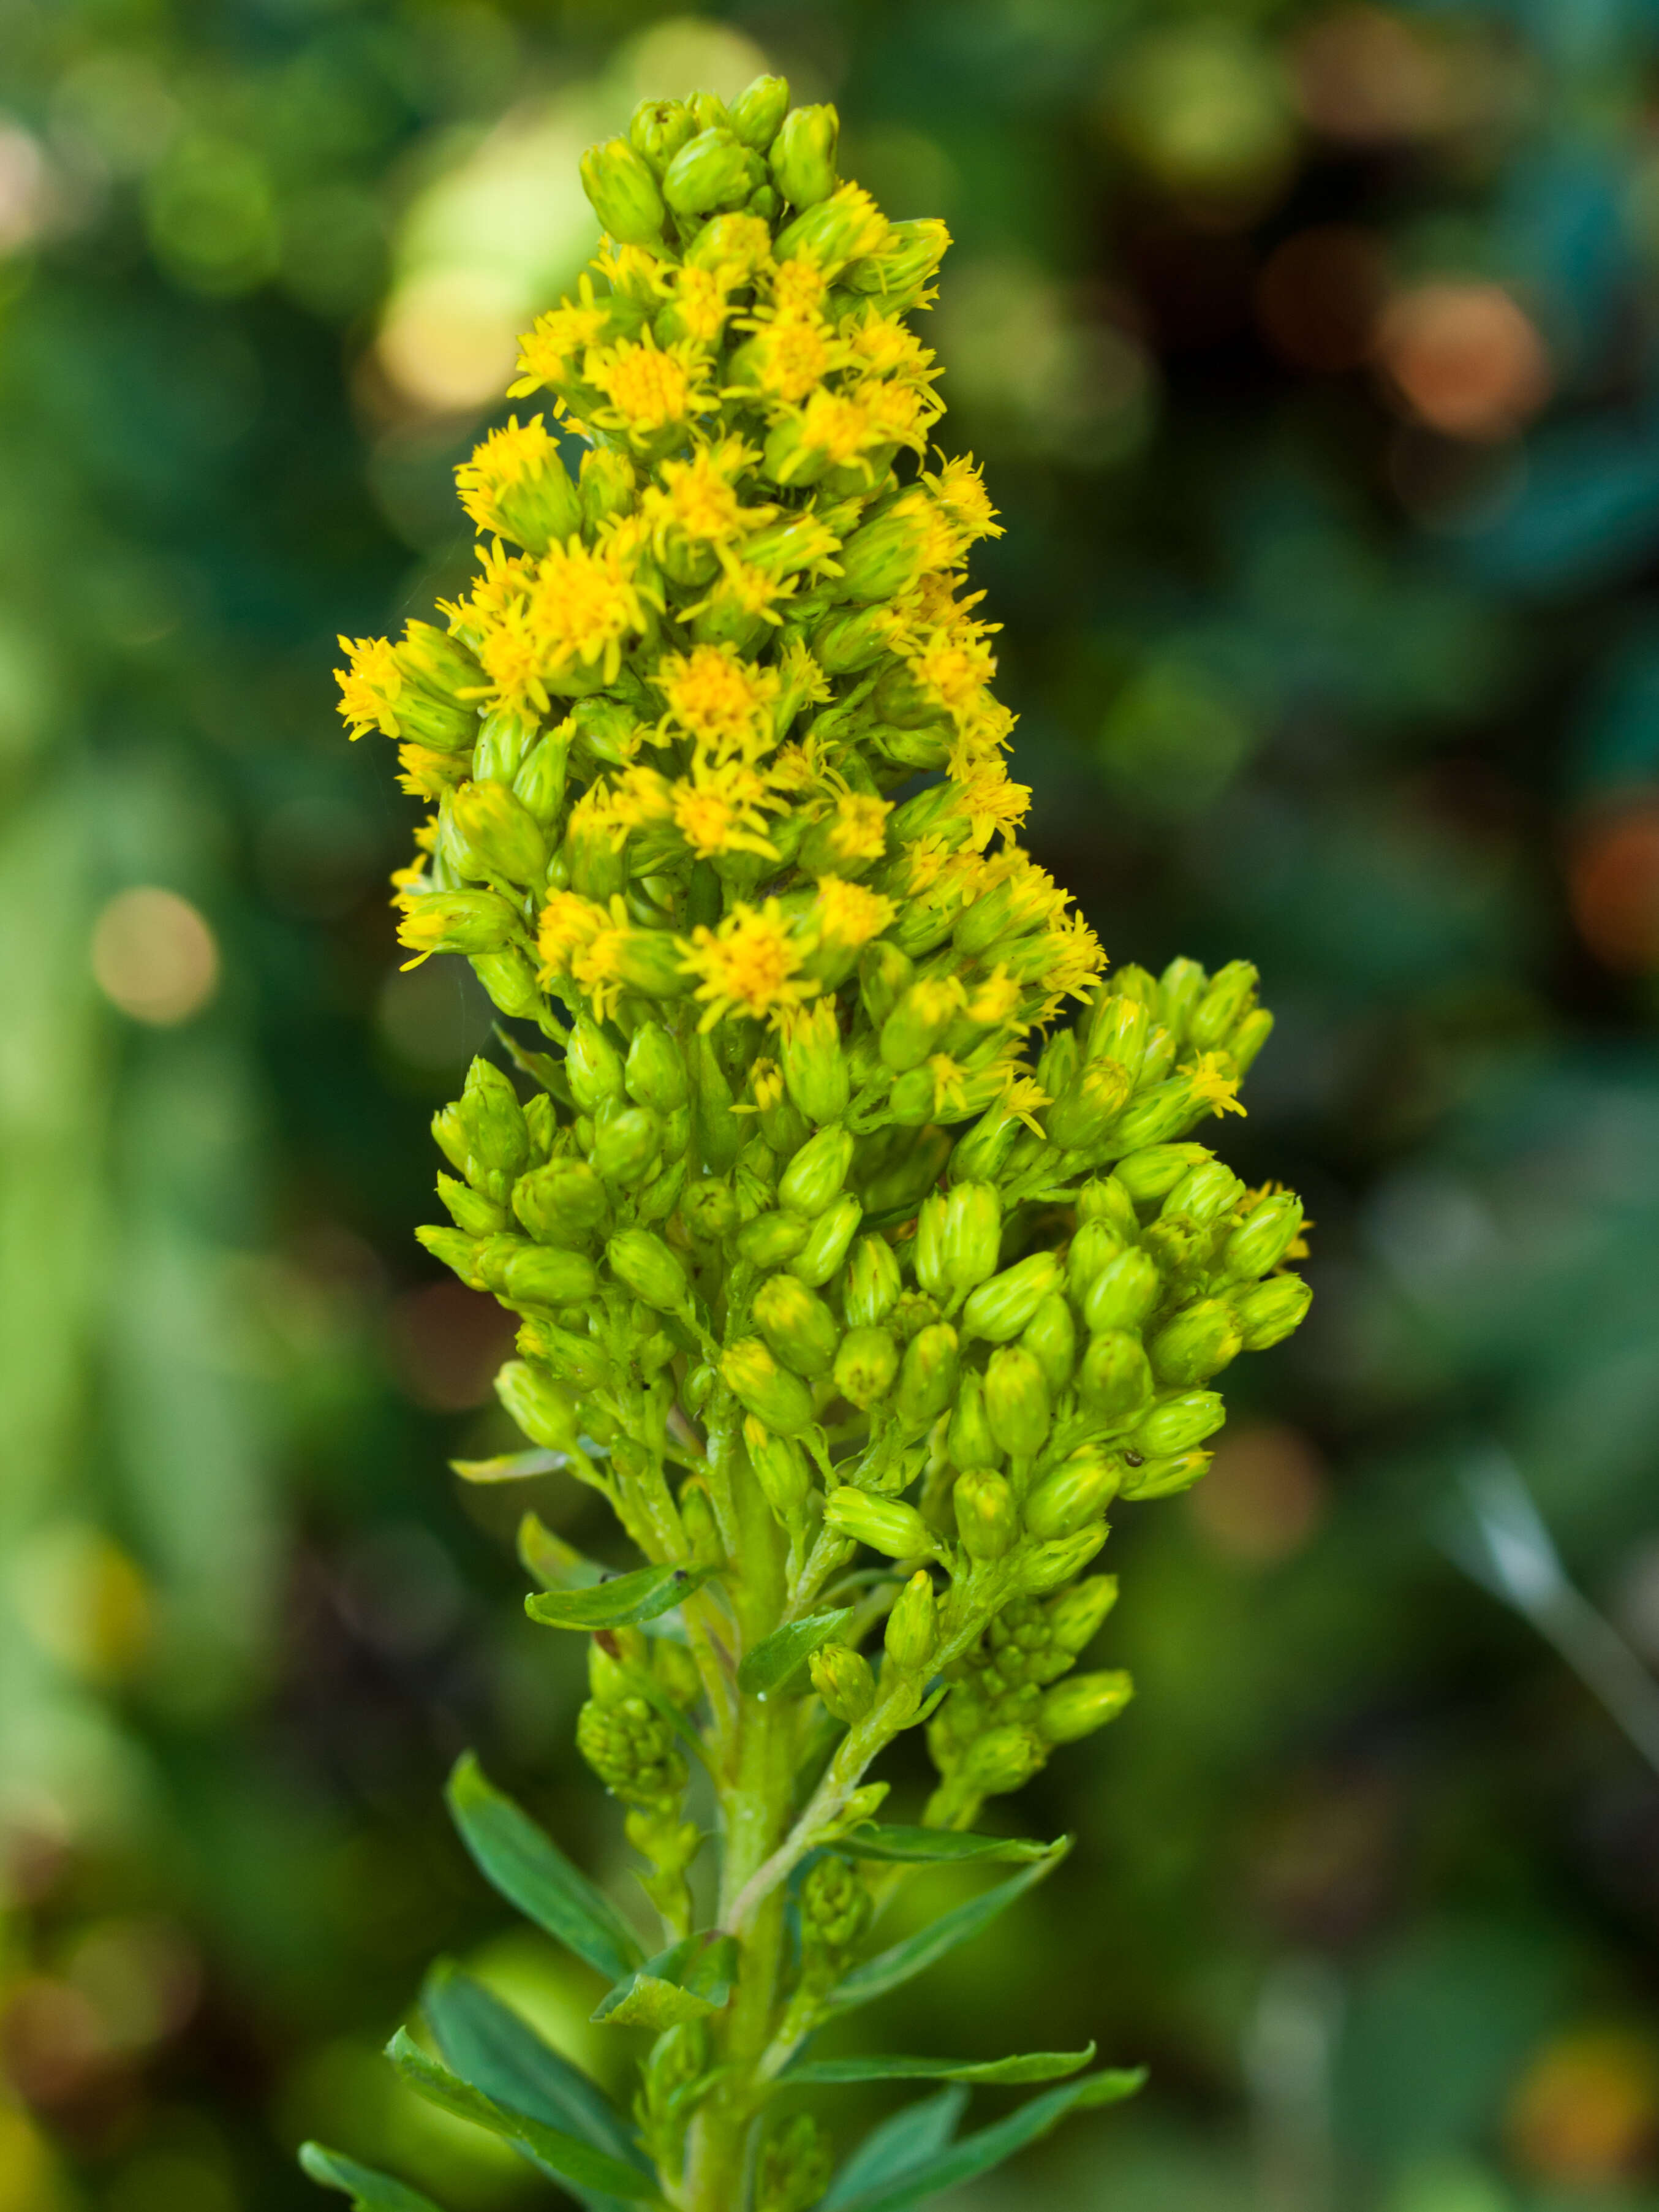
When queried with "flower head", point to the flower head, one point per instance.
{"points": [[751, 965]]}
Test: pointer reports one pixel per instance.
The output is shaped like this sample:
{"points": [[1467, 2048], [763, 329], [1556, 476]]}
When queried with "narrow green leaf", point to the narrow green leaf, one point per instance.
{"points": [[490, 2045], [687, 1982], [937, 1846], [624, 1601], [776, 1656], [898, 2147], [371, 2192], [510, 1466], [889, 1969], [554, 1564], [980, 2153], [1032, 2066], [566, 2157], [523, 1863]]}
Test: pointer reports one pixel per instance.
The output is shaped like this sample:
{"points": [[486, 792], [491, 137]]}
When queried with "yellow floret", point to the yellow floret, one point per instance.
{"points": [[751, 965], [370, 688], [723, 701]]}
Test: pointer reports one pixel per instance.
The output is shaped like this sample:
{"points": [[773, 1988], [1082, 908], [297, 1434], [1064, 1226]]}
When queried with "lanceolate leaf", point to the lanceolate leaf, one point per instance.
{"points": [[688, 1982], [980, 2153], [940, 1846], [566, 2157], [488, 2046], [624, 1601], [889, 1969], [555, 1563], [898, 2147], [1033, 2066], [527, 1866], [373, 2192], [510, 1466], [776, 1656]]}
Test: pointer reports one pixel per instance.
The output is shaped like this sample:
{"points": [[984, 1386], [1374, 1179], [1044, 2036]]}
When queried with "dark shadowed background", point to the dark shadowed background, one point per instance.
{"points": [[1313, 354]]}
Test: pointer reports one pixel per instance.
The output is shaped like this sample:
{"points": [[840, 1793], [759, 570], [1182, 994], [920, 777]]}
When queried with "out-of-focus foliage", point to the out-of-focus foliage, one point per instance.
{"points": [[1310, 350]]}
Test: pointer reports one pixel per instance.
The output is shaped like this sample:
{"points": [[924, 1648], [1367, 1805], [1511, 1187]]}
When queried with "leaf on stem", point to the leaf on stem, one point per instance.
{"points": [[980, 2153], [889, 1969], [939, 1846], [775, 1657], [369, 2190], [554, 1564], [565, 2157], [522, 1862], [687, 1982], [898, 2147], [509, 1467], [1031, 2066], [623, 1602], [493, 2049]]}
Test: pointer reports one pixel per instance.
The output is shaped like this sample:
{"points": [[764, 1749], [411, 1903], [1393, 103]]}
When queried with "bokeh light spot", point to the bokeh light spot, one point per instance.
{"points": [[1366, 76], [1263, 1498], [1586, 2111], [1612, 879], [154, 956], [447, 1343], [1318, 298], [1465, 358]]}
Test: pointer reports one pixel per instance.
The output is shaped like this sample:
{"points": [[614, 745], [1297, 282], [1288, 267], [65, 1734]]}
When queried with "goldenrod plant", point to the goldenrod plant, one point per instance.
{"points": [[858, 1279]]}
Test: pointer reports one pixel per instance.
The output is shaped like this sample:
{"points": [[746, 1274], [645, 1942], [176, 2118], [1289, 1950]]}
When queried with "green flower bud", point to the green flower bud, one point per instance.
{"points": [[884, 974], [623, 192], [1117, 1377], [657, 130], [1175, 1423], [497, 1137], [982, 1150], [1095, 1246], [834, 1904], [885, 557], [1001, 1759], [835, 231], [540, 1275], [469, 1209], [793, 2169], [654, 1073], [1156, 1114], [827, 1245], [1044, 1567], [759, 109], [1180, 989], [1165, 1477], [972, 1234], [1206, 1193], [1267, 1314], [738, 241], [510, 981], [539, 783], [802, 156], [865, 1366], [1231, 996], [574, 1358], [1074, 1617], [1080, 1117], [781, 1470], [709, 1211], [605, 485], [709, 171], [561, 1203], [643, 1264], [721, 1131], [886, 1524], [919, 1021], [1050, 1337], [998, 1309], [1197, 1343], [1248, 1038], [813, 1180], [450, 1130], [771, 1238], [797, 1324], [498, 835], [987, 1517], [1078, 1707], [1073, 1493], [626, 1145], [873, 1282], [769, 1392], [1123, 1293], [1155, 1172], [898, 273], [702, 1534], [1263, 1238], [927, 1378], [912, 1631], [815, 1067], [970, 1441], [543, 1408], [593, 1067], [842, 1679], [631, 1748], [1119, 1031], [1016, 1403]]}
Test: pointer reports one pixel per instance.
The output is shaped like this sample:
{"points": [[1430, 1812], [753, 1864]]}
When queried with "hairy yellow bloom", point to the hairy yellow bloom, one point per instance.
{"points": [[718, 811], [721, 700], [751, 965], [1216, 1085], [555, 341], [698, 497], [650, 388], [370, 688], [507, 457]]}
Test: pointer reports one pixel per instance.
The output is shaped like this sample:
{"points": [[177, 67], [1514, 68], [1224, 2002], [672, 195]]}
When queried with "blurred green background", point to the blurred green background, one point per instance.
{"points": [[1313, 351]]}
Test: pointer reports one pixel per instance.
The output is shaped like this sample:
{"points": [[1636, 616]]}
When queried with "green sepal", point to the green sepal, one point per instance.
{"points": [[510, 1466], [898, 2147], [566, 2158], [623, 1602], [982, 2152], [686, 1983], [522, 1862], [488, 2046], [776, 1656], [939, 1846], [369, 2190], [890, 1969], [1031, 2066]]}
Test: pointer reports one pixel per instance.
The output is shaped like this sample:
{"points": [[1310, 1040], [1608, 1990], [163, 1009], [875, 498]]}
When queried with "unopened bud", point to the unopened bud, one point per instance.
{"points": [[1017, 1402], [574, 1358], [759, 109], [1231, 996], [1106, 1200], [655, 1071], [593, 1065], [1117, 1377], [912, 1629], [813, 1180], [631, 1748], [470, 1210], [539, 783], [657, 130], [1166, 1477], [1075, 1616], [803, 155], [927, 1378], [842, 1679], [497, 1137], [499, 836], [972, 1236], [702, 1534], [623, 192], [797, 1324], [919, 1021], [987, 1517], [781, 1468], [1206, 1193], [1077, 1708], [561, 1203], [1175, 1423], [1123, 1293], [541, 1274], [1180, 989], [1045, 1567], [543, 1408], [643, 1264], [1074, 1494], [1050, 1337], [886, 1524], [1267, 1314], [999, 1309], [1002, 1759], [1197, 1343], [1263, 1238], [626, 1147], [605, 483], [769, 1392], [970, 1441], [865, 1366], [815, 1066], [1248, 1038], [827, 1244], [1080, 1117], [1154, 1172], [1096, 1244], [986, 1145], [709, 171]]}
